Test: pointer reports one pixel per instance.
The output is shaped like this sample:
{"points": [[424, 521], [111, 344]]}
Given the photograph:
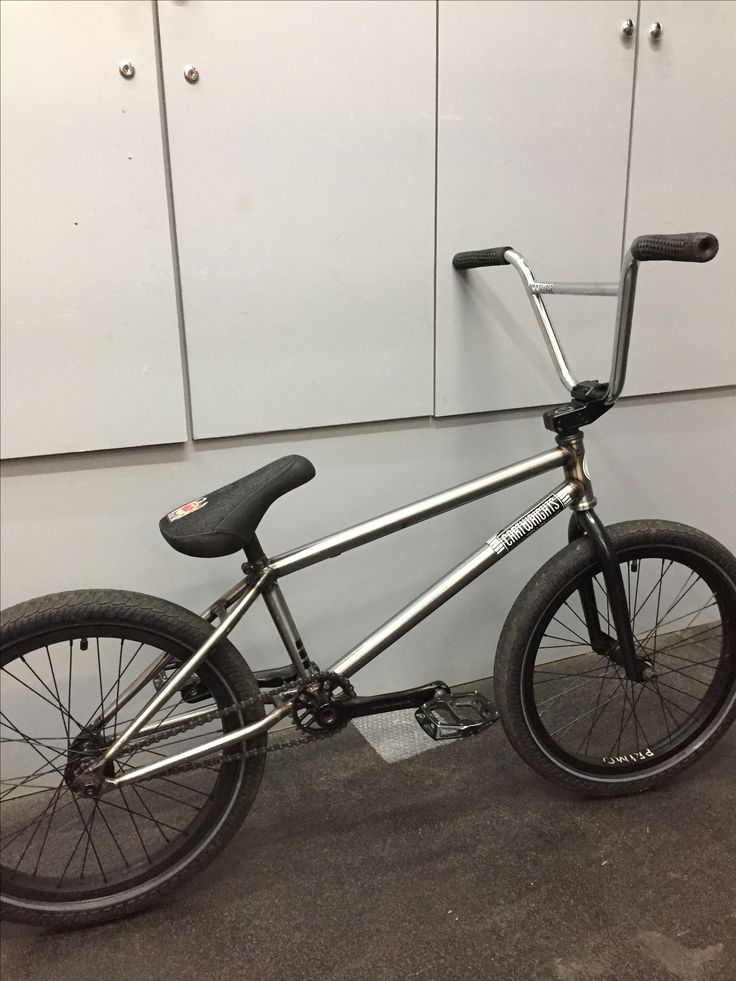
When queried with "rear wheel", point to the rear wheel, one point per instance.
{"points": [[68, 860], [572, 713]]}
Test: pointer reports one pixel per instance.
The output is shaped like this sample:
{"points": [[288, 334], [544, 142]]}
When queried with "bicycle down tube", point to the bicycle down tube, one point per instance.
{"points": [[492, 551]]}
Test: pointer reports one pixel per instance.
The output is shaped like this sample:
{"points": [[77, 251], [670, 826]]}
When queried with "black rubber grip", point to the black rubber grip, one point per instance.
{"points": [[483, 257], [688, 247]]}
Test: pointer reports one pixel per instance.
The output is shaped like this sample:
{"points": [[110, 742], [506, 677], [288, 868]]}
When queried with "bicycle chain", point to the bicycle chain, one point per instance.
{"points": [[201, 762]]}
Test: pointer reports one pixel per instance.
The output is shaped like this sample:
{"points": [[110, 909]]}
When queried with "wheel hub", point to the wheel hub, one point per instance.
{"points": [[86, 749]]}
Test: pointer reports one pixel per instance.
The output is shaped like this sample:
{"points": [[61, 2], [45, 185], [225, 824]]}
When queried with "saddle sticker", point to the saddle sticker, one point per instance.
{"points": [[186, 509]]}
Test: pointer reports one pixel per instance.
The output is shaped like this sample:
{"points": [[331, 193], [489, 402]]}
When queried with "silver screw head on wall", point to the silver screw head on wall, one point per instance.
{"points": [[655, 31], [191, 74], [627, 28], [126, 69]]}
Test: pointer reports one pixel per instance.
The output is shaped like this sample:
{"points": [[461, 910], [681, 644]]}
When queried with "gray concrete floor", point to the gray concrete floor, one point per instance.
{"points": [[453, 864]]}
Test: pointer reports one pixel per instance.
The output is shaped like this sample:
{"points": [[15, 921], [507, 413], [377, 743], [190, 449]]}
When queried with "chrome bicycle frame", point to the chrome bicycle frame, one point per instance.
{"points": [[263, 573], [263, 576]]}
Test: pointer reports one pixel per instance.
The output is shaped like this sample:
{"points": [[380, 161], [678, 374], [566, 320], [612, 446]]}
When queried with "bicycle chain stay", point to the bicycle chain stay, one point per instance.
{"points": [[201, 763]]}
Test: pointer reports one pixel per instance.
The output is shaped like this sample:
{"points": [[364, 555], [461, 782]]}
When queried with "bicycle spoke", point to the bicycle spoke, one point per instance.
{"points": [[7, 839], [689, 660], [36, 675], [658, 583], [56, 689], [555, 647], [30, 742], [556, 675], [595, 717], [665, 708], [582, 715], [38, 694], [25, 783], [687, 694], [566, 640], [38, 772], [150, 815], [146, 785], [669, 701], [553, 698], [38, 824], [85, 831], [117, 692], [617, 745], [689, 677], [603, 590], [636, 597], [92, 817], [113, 837], [690, 640], [582, 640], [634, 701], [135, 814], [46, 834], [576, 614], [99, 675], [681, 595], [115, 683], [132, 818], [694, 614]]}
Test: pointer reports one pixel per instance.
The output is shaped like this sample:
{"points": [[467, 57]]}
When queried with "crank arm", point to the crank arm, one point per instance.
{"points": [[362, 705]]}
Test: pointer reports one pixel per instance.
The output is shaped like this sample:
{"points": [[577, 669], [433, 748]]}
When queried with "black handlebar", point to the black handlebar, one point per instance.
{"points": [[483, 257], [687, 247]]}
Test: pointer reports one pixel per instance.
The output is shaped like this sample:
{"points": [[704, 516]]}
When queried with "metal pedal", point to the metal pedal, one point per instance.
{"points": [[452, 716]]}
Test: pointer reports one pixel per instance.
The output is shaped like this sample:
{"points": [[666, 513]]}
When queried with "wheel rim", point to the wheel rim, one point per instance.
{"points": [[582, 710], [58, 849]]}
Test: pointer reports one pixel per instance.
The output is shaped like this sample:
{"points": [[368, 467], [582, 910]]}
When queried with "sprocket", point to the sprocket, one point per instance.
{"points": [[315, 707]]}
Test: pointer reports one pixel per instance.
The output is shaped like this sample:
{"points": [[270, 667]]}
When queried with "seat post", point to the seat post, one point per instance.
{"points": [[281, 614]]}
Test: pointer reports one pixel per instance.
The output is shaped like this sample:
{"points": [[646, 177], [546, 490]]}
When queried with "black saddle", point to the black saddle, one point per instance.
{"points": [[225, 521]]}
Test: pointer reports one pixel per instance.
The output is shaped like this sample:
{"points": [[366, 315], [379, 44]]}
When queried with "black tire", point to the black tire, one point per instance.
{"points": [[226, 680], [519, 664]]}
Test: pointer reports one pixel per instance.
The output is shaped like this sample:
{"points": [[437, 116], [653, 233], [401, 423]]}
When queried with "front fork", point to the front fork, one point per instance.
{"points": [[584, 521], [622, 650]]}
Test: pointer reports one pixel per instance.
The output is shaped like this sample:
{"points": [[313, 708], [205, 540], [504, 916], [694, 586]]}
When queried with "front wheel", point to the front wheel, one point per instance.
{"points": [[571, 713]]}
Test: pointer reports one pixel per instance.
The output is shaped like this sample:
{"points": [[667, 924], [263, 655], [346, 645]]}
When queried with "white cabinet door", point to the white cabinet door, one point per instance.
{"points": [[534, 115], [683, 178], [303, 171], [90, 346]]}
